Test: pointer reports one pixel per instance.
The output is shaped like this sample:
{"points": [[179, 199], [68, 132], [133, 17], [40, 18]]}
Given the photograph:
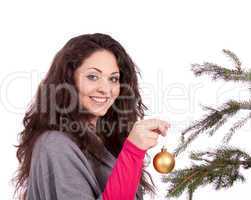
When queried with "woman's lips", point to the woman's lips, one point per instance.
{"points": [[99, 100]]}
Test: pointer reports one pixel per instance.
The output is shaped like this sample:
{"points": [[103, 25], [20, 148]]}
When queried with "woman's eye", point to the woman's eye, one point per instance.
{"points": [[92, 77], [115, 79]]}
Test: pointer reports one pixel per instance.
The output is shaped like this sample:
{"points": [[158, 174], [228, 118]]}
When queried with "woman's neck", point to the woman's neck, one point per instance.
{"points": [[93, 121]]}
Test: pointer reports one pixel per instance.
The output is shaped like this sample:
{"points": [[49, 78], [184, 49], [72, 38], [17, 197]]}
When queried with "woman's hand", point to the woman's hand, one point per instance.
{"points": [[145, 133]]}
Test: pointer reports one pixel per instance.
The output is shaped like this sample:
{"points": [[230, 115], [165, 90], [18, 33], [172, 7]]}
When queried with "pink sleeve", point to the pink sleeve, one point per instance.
{"points": [[126, 173]]}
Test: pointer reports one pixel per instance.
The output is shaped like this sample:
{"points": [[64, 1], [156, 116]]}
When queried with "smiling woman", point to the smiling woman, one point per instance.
{"points": [[92, 82]]}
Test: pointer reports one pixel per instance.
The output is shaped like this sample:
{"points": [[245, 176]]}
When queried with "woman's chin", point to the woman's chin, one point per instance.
{"points": [[99, 113]]}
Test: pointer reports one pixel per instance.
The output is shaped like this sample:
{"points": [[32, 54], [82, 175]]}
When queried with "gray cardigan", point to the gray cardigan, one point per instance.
{"points": [[61, 171]]}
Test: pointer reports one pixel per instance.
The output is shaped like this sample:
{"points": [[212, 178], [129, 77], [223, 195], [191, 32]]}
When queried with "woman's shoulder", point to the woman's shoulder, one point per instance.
{"points": [[53, 141], [53, 137]]}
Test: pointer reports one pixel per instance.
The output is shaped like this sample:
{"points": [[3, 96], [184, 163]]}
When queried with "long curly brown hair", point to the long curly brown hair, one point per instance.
{"points": [[51, 104]]}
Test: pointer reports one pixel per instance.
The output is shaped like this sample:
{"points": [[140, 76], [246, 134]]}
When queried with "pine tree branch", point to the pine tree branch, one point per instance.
{"points": [[237, 125], [190, 195], [217, 117], [219, 72], [210, 122], [235, 59], [221, 168]]}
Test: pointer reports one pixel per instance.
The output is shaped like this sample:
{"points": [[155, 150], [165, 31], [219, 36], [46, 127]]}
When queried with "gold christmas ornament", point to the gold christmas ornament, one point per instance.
{"points": [[164, 161]]}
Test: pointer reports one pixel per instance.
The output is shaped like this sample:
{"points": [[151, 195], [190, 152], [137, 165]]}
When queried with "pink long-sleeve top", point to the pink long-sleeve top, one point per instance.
{"points": [[126, 173]]}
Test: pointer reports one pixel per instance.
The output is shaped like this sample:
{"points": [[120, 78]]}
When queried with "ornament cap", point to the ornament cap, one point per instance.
{"points": [[164, 148]]}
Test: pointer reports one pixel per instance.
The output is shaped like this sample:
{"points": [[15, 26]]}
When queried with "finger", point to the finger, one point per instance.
{"points": [[168, 125], [154, 124], [153, 143], [161, 130], [165, 127], [152, 135], [157, 131]]}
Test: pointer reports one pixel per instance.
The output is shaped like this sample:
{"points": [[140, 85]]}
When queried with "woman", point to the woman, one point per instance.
{"points": [[84, 135]]}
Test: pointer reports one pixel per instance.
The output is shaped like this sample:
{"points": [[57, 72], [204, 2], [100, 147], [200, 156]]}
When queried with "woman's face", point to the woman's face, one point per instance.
{"points": [[97, 80]]}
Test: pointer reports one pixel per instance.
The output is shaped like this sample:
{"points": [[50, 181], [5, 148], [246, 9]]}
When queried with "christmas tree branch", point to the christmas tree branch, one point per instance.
{"points": [[219, 72], [237, 125], [220, 168], [211, 122]]}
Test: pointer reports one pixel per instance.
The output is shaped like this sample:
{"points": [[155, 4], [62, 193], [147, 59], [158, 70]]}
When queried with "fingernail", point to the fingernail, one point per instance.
{"points": [[167, 125]]}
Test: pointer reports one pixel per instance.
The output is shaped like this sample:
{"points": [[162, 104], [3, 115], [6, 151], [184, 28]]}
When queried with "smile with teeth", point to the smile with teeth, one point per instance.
{"points": [[99, 100]]}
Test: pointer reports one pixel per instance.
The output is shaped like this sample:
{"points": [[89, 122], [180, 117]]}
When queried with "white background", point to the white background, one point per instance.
{"points": [[163, 37]]}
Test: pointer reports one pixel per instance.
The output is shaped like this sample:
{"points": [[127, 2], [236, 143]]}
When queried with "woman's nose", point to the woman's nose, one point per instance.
{"points": [[104, 87]]}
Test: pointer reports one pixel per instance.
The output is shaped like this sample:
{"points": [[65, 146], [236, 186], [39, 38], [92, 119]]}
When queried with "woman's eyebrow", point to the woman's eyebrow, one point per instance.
{"points": [[115, 73], [100, 70]]}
